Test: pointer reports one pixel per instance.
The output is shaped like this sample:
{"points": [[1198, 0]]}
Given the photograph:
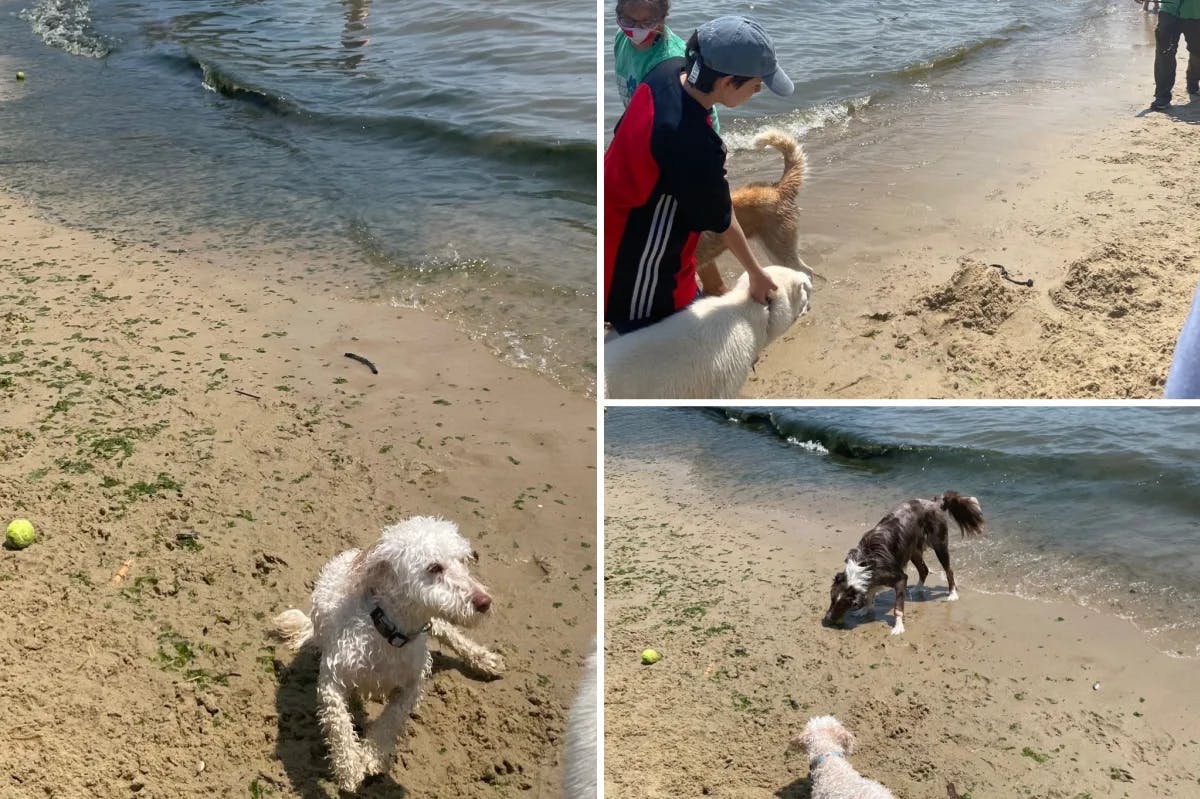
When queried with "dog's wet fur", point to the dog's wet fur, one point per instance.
{"points": [[766, 211], [881, 559]]}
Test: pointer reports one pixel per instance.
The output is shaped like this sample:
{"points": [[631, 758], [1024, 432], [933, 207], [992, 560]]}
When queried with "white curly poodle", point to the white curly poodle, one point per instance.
{"points": [[372, 612], [579, 756], [827, 742]]}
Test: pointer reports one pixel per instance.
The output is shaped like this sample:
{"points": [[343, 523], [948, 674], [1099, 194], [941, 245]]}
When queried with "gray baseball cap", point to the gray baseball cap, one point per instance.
{"points": [[739, 46]]}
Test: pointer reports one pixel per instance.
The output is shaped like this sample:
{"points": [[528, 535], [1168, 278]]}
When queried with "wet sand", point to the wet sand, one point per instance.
{"points": [[192, 447], [999, 695], [1087, 194]]}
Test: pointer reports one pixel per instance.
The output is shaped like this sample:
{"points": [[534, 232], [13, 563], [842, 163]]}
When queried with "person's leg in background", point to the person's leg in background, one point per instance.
{"points": [[1166, 45], [1191, 32]]}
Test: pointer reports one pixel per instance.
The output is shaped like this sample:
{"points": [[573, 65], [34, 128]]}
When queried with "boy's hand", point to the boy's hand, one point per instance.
{"points": [[761, 286]]}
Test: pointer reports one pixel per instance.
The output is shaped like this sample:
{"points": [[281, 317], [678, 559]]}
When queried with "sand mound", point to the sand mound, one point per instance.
{"points": [[1113, 282], [975, 297]]}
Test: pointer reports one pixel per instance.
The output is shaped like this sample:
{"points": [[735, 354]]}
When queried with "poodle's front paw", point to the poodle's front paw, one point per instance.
{"points": [[376, 757], [349, 777], [490, 663]]}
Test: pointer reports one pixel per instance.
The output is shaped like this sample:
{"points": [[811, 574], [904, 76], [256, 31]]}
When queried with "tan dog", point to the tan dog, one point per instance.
{"points": [[766, 211]]}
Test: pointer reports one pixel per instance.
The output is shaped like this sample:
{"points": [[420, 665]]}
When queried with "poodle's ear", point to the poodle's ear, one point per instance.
{"points": [[801, 740], [370, 568], [846, 739]]}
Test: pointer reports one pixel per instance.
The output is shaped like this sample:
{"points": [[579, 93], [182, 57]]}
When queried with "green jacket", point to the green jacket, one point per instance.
{"points": [[1184, 9]]}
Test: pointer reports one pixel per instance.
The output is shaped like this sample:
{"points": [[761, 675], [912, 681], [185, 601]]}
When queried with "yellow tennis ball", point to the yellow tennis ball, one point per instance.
{"points": [[20, 75], [20, 534], [649, 656]]}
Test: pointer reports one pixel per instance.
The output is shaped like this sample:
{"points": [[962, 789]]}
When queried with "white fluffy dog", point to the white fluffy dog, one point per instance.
{"points": [[372, 612], [579, 771], [827, 742], [705, 351]]}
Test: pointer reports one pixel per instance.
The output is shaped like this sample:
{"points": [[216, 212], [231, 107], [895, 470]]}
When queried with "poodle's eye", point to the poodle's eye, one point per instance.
{"points": [[436, 568]]}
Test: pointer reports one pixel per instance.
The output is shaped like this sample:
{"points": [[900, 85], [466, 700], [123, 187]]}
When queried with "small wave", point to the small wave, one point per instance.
{"points": [[800, 122], [832, 439], [956, 55], [574, 158], [227, 85], [67, 25]]}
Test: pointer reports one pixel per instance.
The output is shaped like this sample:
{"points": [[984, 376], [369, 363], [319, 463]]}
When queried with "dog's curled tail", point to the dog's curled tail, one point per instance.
{"points": [[794, 162], [965, 511], [294, 627]]}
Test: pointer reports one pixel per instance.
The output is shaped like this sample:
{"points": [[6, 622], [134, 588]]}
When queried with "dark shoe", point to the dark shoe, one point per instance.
{"points": [[1160, 105]]}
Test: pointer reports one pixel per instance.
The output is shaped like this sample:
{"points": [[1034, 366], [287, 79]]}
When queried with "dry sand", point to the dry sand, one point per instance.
{"points": [[1105, 224], [121, 431], [992, 693]]}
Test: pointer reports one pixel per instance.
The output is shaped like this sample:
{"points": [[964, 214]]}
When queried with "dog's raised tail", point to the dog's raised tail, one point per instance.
{"points": [[794, 162], [965, 511], [294, 627]]}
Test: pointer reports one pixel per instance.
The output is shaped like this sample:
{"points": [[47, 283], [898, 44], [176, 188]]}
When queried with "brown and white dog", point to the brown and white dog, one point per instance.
{"points": [[881, 559], [766, 211]]}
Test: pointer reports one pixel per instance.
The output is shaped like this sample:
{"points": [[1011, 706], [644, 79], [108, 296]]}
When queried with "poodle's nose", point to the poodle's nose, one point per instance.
{"points": [[481, 602]]}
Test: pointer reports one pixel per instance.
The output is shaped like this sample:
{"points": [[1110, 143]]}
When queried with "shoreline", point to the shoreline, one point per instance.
{"points": [[121, 368], [903, 214], [992, 693], [224, 174]]}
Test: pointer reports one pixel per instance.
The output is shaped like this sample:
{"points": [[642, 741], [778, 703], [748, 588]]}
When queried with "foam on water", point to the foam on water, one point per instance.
{"points": [[740, 136], [811, 446], [67, 25]]}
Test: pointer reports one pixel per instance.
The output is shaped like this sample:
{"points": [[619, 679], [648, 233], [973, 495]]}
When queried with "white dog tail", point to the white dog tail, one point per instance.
{"points": [[294, 627]]}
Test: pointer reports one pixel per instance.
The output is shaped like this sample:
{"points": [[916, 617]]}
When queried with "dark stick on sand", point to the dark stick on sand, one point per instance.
{"points": [[363, 361], [246, 394], [1006, 276]]}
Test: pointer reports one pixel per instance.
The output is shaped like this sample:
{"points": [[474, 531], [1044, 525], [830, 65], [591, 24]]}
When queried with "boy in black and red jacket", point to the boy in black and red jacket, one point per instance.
{"points": [[664, 173]]}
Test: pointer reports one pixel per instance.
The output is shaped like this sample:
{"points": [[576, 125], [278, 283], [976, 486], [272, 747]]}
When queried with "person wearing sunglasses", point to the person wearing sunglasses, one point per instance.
{"points": [[664, 173], [644, 41]]}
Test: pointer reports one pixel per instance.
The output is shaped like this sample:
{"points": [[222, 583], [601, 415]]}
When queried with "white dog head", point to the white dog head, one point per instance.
{"points": [[789, 301], [423, 562], [824, 735]]}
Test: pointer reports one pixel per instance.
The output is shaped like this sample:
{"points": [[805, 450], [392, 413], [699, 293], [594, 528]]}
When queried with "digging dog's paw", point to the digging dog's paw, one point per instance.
{"points": [[374, 761], [953, 597], [350, 778], [490, 663]]}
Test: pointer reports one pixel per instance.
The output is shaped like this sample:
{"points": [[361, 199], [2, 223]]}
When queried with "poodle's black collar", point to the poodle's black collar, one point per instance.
{"points": [[391, 632]]}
